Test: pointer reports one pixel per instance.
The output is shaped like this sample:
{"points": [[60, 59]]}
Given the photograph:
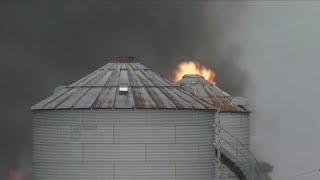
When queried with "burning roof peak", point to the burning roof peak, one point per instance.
{"points": [[193, 76], [198, 86]]}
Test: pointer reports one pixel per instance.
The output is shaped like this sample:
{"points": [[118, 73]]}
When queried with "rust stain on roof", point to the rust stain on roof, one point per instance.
{"points": [[196, 85], [144, 89]]}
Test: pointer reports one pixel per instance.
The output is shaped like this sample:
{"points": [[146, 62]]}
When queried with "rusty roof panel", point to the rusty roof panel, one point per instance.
{"points": [[176, 99], [114, 78], [41, 104], [87, 100], [133, 79], [124, 100], [161, 101], [101, 90], [106, 98], [198, 86], [53, 104], [72, 99]]}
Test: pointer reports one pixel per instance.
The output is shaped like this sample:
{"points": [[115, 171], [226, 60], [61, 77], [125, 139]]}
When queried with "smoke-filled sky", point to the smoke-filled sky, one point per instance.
{"points": [[266, 51]]}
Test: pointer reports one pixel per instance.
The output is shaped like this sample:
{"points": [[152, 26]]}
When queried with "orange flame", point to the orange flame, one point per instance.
{"points": [[192, 67]]}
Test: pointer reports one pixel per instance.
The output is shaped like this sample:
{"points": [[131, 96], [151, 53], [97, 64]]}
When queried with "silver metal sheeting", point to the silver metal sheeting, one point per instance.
{"points": [[237, 126], [200, 87], [123, 144], [122, 86]]}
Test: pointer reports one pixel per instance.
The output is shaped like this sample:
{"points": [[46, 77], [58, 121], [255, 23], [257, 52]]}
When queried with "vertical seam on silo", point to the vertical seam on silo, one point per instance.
{"points": [[113, 170], [58, 139], [175, 134], [113, 133], [198, 119], [145, 118], [198, 152], [57, 169], [175, 170], [82, 151], [145, 152], [82, 117]]}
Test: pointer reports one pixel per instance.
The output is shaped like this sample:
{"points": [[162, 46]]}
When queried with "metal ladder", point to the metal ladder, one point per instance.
{"points": [[234, 160]]}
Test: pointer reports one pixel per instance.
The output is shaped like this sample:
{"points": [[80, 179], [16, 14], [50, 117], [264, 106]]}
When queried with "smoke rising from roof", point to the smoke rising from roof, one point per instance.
{"points": [[48, 43]]}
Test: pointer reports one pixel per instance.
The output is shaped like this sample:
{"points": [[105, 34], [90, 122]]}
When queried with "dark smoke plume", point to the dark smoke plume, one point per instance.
{"points": [[47, 43]]}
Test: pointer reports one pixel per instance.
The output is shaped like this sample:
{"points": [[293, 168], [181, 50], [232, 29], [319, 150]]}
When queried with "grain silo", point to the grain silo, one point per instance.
{"points": [[123, 121], [233, 117]]}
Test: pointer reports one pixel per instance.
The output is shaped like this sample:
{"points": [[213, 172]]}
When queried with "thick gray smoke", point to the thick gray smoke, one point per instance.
{"points": [[48, 43]]}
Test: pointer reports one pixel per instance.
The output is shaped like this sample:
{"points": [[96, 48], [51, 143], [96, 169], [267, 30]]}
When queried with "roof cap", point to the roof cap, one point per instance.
{"points": [[193, 76], [123, 59]]}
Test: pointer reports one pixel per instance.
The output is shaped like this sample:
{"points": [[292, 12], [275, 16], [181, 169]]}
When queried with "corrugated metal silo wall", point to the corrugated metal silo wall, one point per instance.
{"points": [[237, 124], [123, 144]]}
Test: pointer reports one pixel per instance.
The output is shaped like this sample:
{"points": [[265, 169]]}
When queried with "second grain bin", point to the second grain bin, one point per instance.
{"points": [[123, 121], [234, 117]]}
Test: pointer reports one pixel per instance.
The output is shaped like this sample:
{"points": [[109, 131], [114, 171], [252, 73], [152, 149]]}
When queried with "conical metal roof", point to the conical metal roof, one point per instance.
{"points": [[122, 84], [198, 86]]}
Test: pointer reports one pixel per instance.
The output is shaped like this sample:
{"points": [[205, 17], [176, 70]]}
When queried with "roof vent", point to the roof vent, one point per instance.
{"points": [[123, 59], [123, 88]]}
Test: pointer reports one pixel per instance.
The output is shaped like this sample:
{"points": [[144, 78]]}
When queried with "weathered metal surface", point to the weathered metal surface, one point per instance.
{"points": [[100, 90], [198, 86], [123, 144], [234, 119]]}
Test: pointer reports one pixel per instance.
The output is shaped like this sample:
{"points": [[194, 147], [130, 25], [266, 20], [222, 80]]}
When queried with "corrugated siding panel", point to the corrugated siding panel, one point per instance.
{"points": [[79, 171], [45, 134], [99, 134], [141, 134], [191, 134], [44, 170], [206, 152], [116, 117], [57, 118], [113, 152], [236, 124], [73, 171], [172, 152], [86, 134], [195, 171], [163, 117], [92, 144], [144, 170], [57, 152]]}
